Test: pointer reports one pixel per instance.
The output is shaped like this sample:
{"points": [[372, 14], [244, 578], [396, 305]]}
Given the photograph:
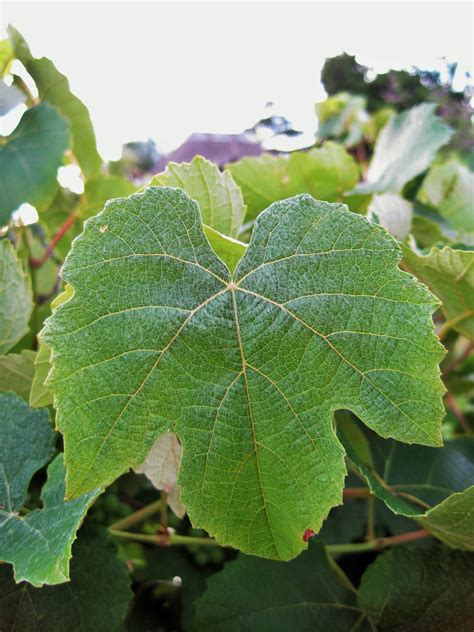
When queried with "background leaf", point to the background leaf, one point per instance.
{"points": [[16, 373], [304, 594], [96, 598], [414, 589], [53, 88], [16, 300], [449, 274], [30, 158], [326, 173], [405, 147]]}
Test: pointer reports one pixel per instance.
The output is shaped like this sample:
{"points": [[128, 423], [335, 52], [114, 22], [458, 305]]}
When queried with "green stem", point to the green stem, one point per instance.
{"points": [[377, 543], [163, 539], [137, 516], [449, 324]]}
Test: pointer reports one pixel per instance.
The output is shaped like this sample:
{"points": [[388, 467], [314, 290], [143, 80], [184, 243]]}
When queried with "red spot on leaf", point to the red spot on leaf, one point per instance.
{"points": [[308, 533]]}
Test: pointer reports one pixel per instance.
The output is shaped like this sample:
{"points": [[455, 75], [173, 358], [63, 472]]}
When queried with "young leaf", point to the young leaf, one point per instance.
{"points": [[419, 590], [162, 466], [449, 274], [449, 188], [246, 370], [30, 158], [326, 173], [16, 299], [254, 594], [219, 198], [16, 373], [96, 598], [405, 147], [53, 87], [435, 487]]}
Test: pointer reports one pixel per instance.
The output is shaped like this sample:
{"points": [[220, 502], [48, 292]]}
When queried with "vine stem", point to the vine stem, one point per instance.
{"points": [[449, 324], [457, 412], [165, 539], [37, 263], [137, 516], [170, 539]]}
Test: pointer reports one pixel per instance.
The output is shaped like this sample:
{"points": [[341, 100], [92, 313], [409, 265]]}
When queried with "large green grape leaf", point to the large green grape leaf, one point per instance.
{"points": [[405, 147], [254, 594], [449, 274], [53, 87], [16, 373], [449, 187], [220, 201], [39, 543], [219, 198], [419, 590], [30, 158], [434, 487], [16, 299], [246, 370], [326, 173], [96, 598]]}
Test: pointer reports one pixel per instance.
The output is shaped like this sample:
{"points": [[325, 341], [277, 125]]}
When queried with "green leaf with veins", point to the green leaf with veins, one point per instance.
{"points": [[16, 373], [247, 369], [96, 598], [16, 299], [30, 158], [449, 274], [419, 590], [435, 487], [254, 594], [219, 198], [405, 147], [39, 543], [220, 201], [326, 173], [53, 87]]}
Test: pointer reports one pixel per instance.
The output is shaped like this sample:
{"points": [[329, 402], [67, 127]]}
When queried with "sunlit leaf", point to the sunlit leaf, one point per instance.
{"points": [[16, 301]]}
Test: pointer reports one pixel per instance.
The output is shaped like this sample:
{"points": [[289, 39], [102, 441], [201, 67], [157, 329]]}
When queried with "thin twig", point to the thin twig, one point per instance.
{"points": [[457, 412], [37, 263], [138, 516]]}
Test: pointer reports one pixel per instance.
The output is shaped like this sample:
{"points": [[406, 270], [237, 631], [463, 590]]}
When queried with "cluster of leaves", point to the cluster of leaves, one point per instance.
{"points": [[248, 355]]}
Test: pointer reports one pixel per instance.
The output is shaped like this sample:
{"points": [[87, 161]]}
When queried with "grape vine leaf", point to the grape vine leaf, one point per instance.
{"points": [[30, 158], [16, 373], [220, 201], [39, 543], [161, 466], [405, 147], [219, 198], [392, 212], [434, 487], [245, 369], [418, 589], [96, 598], [16, 299], [6, 57], [325, 172], [449, 187], [53, 87], [254, 594], [449, 274]]}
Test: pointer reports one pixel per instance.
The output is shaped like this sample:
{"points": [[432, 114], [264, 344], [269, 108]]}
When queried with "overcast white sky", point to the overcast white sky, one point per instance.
{"points": [[164, 70]]}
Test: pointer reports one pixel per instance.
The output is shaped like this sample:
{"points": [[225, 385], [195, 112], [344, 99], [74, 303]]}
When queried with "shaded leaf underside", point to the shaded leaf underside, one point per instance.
{"points": [[247, 371]]}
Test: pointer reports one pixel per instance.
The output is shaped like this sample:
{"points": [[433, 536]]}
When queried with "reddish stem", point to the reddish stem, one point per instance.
{"points": [[37, 263], [457, 412]]}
